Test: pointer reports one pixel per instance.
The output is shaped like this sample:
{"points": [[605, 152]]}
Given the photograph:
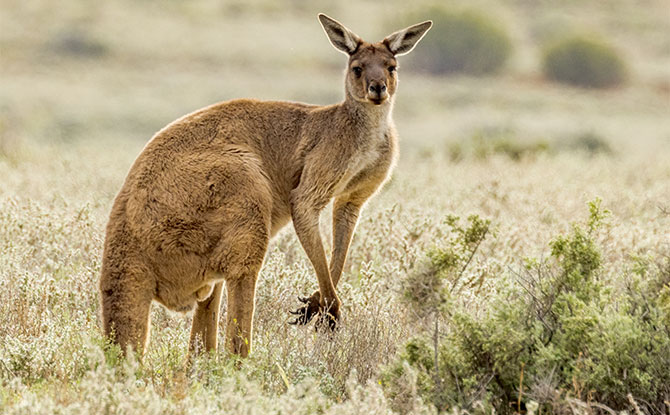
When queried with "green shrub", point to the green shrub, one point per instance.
{"points": [[497, 141], [487, 142], [584, 62], [552, 333], [464, 42], [430, 292], [591, 143], [491, 141]]}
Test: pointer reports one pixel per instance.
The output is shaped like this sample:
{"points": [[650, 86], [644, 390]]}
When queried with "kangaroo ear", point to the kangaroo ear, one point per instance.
{"points": [[403, 41], [342, 38]]}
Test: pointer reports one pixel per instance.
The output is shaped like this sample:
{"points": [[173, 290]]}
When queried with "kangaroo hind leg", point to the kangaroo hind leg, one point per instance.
{"points": [[240, 313], [205, 328], [242, 262], [126, 303]]}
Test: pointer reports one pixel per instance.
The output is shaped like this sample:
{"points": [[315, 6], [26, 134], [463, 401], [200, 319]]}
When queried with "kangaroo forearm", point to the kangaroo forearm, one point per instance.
{"points": [[308, 233], [345, 217], [337, 265]]}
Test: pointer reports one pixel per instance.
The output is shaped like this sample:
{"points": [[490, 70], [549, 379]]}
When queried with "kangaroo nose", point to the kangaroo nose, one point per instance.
{"points": [[376, 88]]}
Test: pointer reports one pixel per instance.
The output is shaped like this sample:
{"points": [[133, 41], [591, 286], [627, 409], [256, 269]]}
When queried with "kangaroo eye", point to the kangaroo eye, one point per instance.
{"points": [[392, 69], [357, 70]]}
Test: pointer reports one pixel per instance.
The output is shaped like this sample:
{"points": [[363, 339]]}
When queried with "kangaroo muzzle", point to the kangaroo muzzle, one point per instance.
{"points": [[377, 92]]}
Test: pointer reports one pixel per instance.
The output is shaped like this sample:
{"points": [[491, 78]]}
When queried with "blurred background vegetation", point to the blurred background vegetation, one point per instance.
{"points": [[78, 70]]}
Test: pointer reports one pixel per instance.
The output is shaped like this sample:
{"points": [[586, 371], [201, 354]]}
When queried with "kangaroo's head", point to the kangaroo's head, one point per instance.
{"points": [[372, 72]]}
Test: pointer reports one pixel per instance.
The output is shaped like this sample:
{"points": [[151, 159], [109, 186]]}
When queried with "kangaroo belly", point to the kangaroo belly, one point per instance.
{"points": [[181, 295]]}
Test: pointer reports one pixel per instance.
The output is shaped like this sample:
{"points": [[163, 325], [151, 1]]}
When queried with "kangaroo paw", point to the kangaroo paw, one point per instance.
{"points": [[307, 311]]}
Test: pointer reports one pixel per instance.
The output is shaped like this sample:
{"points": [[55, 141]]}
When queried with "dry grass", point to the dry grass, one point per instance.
{"points": [[84, 86]]}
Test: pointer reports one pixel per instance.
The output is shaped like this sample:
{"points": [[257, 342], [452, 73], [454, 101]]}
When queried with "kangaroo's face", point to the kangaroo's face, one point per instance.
{"points": [[372, 70], [372, 74]]}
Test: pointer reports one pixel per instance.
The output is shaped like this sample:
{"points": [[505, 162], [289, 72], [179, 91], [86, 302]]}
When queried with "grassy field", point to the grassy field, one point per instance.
{"points": [[84, 85]]}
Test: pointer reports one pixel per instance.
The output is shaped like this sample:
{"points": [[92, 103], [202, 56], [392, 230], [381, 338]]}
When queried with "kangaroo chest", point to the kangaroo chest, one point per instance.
{"points": [[374, 155]]}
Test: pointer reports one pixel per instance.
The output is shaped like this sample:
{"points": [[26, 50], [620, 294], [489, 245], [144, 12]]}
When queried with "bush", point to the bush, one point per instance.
{"points": [[487, 142], [552, 336], [490, 141], [590, 143], [584, 62], [466, 42]]}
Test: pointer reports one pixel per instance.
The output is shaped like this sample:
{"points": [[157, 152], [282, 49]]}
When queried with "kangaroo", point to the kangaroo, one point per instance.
{"points": [[208, 192]]}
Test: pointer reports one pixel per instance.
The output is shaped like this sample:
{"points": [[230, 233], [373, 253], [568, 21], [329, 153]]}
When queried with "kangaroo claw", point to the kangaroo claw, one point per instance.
{"points": [[306, 312]]}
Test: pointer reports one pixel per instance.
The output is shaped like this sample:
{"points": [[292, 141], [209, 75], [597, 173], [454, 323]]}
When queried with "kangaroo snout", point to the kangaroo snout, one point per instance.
{"points": [[377, 92], [377, 88]]}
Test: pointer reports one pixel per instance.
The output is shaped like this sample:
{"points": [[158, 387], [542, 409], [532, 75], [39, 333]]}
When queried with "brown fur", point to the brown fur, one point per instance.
{"points": [[208, 192]]}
